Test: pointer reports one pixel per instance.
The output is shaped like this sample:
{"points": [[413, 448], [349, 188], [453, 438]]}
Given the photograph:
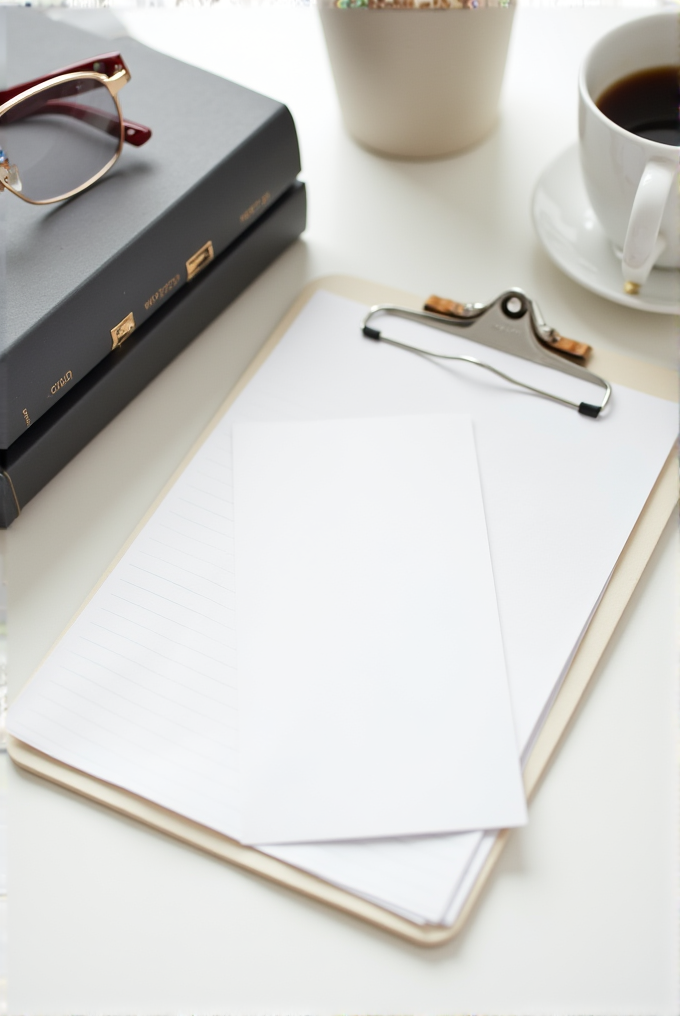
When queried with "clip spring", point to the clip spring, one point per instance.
{"points": [[487, 324]]}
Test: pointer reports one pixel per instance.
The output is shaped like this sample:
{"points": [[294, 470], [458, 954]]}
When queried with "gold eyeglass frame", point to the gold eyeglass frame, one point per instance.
{"points": [[113, 83]]}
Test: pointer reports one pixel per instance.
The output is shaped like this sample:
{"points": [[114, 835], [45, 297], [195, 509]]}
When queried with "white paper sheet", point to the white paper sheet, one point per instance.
{"points": [[373, 693], [543, 469]]}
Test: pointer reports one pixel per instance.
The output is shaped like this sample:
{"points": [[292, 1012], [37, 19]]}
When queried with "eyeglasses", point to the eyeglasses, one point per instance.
{"points": [[60, 134]]}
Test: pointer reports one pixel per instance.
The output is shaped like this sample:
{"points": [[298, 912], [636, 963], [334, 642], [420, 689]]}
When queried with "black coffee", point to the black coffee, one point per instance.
{"points": [[646, 104]]}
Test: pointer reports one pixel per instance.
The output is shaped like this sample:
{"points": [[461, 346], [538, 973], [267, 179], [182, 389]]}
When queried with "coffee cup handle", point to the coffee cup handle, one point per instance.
{"points": [[644, 244]]}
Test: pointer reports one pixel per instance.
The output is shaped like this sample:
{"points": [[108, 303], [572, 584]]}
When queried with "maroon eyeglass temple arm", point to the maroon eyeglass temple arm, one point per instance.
{"points": [[108, 64]]}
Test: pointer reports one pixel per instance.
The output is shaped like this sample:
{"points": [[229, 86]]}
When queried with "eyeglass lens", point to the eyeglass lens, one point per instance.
{"points": [[60, 138]]}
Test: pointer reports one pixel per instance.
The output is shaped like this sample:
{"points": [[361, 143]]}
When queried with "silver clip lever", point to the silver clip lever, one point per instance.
{"points": [[511, 323]]}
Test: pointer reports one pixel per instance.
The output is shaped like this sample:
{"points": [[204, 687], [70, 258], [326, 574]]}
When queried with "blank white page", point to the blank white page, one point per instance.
{"points": [[544, 470], [373, 694]]}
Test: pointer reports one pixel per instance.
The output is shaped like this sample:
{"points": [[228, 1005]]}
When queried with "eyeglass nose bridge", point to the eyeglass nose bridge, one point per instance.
{"points": [[9, 175]]}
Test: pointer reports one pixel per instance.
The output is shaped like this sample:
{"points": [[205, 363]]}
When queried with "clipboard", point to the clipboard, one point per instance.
{"points": [[627, 572]]}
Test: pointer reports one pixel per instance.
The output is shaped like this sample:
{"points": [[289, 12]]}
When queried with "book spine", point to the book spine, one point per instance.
{"points": [[51, 359], [38, 455]]}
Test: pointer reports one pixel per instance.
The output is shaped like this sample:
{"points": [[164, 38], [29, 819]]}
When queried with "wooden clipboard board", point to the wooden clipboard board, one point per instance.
{"points": [[626, 575]]}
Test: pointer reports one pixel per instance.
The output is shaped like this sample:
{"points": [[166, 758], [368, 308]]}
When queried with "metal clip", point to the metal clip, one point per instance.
{"points": [[199, 260], [121, 331], [511, 323]]}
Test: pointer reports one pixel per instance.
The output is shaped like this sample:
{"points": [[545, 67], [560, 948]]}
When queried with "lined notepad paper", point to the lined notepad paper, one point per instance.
{"points": [[141, 689]]}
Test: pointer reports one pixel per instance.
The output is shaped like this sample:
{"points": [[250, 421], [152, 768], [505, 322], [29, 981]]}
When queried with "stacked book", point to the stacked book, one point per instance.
{"points": [[169, 237]]}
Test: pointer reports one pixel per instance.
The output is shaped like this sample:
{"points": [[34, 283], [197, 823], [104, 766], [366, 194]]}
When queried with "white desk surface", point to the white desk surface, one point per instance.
{"points": [[581, 914]]}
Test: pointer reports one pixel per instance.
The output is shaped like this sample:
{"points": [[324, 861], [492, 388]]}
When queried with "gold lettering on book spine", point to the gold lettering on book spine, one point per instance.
{"points": [[163, 291], [68, 376], [256, 206]]}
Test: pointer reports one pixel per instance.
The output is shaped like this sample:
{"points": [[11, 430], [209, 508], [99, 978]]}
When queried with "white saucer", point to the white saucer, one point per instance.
{"points": [[572, 236]]}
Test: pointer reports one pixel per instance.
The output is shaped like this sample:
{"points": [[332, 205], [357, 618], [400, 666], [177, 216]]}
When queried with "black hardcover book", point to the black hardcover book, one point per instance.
{"points": [[46, 447], [220, 155]]}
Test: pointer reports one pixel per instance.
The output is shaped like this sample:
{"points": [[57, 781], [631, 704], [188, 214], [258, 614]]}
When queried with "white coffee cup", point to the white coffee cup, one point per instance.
{"points": [[632, 182]]}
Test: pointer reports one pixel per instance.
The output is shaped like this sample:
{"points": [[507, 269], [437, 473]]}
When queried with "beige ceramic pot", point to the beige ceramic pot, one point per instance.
{"points": [[418, 83]]}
